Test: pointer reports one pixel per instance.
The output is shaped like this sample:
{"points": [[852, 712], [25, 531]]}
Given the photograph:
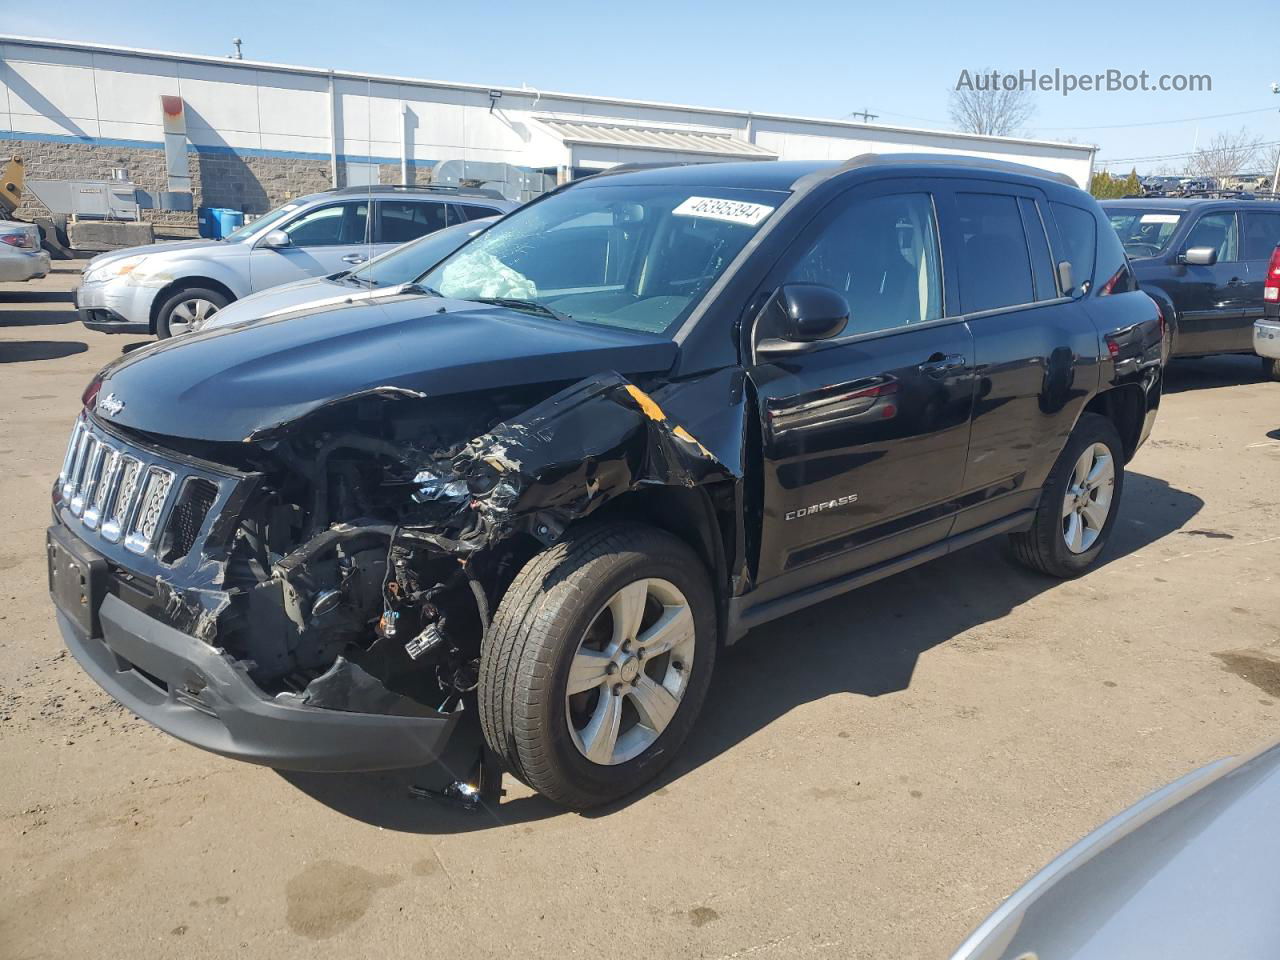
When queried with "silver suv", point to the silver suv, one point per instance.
{"points": [[163, 288]]}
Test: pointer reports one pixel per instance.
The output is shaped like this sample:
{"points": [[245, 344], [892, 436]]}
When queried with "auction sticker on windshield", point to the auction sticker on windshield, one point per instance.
{"points": [[730, 211], [1159, 218]]}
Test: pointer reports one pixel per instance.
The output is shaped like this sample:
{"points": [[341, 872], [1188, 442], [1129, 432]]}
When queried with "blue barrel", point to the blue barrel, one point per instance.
{"points": [[209, 223], [231, 220]]}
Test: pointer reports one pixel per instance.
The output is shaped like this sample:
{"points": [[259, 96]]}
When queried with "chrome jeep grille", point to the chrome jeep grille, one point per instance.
{"points": [[126, 494]]}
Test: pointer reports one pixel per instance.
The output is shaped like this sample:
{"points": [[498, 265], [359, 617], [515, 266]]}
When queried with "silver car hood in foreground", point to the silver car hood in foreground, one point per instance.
{"points": [[1190, 873], [312, 291]]}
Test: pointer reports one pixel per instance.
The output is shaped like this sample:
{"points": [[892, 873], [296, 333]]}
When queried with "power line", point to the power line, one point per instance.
{"points": [[1157, 123], [1177, 156]]}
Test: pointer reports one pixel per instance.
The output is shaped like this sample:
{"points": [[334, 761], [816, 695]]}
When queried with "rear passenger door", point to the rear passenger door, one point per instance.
{"points": [[864, 436], [1034, 348], [1261, 235]]}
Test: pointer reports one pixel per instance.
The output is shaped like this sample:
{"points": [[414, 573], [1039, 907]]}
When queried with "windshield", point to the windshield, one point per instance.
{"points": [[1144, 232], [634, 257], [407, 263], [266, 220]]}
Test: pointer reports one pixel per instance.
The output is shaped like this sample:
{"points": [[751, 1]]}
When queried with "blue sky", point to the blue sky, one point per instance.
{"points": [[816, 58]]}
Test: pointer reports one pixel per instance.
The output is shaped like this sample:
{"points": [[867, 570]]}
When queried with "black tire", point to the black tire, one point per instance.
{"points": [[535, 635], [165, 314], [1043, 548], [1270, 368]]}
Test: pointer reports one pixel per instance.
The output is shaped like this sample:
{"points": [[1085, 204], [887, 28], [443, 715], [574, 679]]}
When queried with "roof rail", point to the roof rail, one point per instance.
{"points": [[635, 166], [940, 159], [419, 188]]}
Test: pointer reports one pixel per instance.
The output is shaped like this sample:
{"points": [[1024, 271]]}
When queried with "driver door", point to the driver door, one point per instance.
{"points": [[322, 240], [864, 436], [1214, 300]]}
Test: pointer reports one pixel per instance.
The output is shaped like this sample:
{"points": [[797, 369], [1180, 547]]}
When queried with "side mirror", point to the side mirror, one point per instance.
{"points": [[1201, 256], [1066, 278], [276, 239], [799, 315]]}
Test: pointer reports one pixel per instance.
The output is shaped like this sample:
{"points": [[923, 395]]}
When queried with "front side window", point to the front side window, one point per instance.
{"points": [[1261, 234], [336, 224], [1217, 231], [1080, 241], [400, 221], [634, 257], [264, 222], [995, 269], [1144, 232], [881, 254]]}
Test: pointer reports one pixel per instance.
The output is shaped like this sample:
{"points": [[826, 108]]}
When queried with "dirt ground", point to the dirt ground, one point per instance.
{"points": [[870, 777]]}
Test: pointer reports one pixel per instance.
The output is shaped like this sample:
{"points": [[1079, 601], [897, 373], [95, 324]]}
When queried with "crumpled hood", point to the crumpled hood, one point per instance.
{"points": [[231, 383]]}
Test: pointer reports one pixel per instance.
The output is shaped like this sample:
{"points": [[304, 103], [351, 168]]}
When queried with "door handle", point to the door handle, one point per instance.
{"points": [[941, 364], [1235, 282], [354, 258]]}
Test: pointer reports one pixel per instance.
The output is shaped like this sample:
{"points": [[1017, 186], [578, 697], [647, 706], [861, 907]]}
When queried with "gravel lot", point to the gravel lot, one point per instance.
{"points": [[870, 777]]}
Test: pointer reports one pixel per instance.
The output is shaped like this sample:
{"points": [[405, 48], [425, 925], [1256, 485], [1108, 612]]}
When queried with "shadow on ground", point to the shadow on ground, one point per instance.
{"points": [[25, 351], [35, 296], [865, 643], [1225, 370]]}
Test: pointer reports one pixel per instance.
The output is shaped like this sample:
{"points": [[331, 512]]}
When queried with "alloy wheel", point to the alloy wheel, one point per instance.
{"points": [[190, 312], [1087, 502], [630, 672]]}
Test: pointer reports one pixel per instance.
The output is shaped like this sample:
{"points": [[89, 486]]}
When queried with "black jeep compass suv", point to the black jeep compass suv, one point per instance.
{"points": [[537, 492]]}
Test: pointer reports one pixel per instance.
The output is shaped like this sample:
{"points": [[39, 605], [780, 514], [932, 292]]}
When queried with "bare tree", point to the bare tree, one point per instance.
{"points": [[980, 103], [1226, 153], [1270, 163]]}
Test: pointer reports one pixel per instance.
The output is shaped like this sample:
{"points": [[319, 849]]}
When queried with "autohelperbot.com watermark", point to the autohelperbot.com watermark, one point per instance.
{"points": [[1066, 83]]}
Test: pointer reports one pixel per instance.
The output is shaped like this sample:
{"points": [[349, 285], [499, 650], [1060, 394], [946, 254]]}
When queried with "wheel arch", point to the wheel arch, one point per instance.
{"points": [[688, 513], [1125, 406], [185, 283]]}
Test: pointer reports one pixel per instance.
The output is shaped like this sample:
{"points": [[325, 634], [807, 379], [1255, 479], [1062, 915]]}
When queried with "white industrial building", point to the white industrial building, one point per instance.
{"points": [[270, 130]]}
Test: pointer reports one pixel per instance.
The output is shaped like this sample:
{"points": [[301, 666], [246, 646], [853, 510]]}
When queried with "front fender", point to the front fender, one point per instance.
{"points": [[195, 269]]}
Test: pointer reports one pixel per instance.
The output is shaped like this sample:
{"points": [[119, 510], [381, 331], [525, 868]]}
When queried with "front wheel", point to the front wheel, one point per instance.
{"points": [[1078, 504], [598, 662], [187, 309]]}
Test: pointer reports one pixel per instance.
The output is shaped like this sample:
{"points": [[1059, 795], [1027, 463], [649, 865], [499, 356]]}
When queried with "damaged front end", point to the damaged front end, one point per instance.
{"points": [[346, 564]]}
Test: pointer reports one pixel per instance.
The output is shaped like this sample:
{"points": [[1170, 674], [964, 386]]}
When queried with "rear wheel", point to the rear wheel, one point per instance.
{"points": [[598, 662], [1079, 503], [186, 308]]}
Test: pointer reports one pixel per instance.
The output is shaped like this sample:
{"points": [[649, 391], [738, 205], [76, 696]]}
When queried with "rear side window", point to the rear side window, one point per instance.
{"points": [[995, 270], [1261, 234], [1079, 234], [470, 212], [402, 220], [881, 254], [1041, 261]]}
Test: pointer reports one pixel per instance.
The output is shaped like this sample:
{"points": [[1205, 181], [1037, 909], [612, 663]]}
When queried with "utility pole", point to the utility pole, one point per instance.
{"points": [[1275, 177], [866, 117]]}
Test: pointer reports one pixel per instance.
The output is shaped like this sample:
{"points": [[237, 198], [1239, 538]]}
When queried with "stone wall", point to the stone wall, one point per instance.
{"points": [[252, 184]]}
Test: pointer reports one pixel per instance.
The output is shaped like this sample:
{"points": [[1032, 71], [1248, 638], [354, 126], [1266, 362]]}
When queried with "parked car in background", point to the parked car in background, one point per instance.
{"points": [[21, 257], [618, 429], [164, 288], [1187, 873], [381, 277], [1266, 332], [1204, 262], [1160, 186]]}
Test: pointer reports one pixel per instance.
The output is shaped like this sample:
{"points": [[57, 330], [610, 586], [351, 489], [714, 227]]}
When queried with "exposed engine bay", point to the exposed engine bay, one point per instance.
{"points": [[361, 569]]}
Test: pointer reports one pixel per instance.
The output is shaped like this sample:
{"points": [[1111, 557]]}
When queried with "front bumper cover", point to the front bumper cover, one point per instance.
{"points": [[202, 695], [115, 306]]}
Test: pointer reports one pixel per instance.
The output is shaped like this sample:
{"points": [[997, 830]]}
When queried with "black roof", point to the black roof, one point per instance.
{"points": [[1183, 203], [426, 188], [788, 174]]}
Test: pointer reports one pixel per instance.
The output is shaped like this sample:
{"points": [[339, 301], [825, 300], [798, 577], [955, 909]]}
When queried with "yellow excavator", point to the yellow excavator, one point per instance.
{"points": [[12, 176]]}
